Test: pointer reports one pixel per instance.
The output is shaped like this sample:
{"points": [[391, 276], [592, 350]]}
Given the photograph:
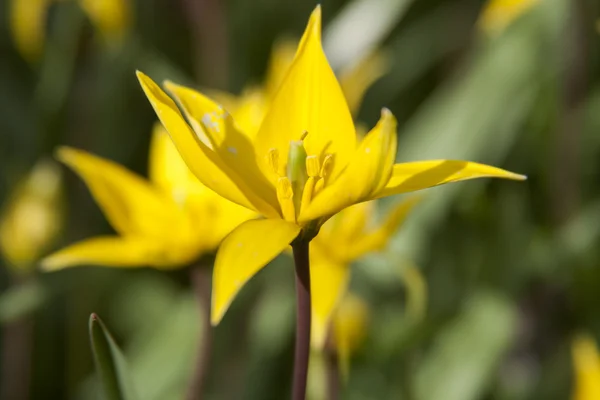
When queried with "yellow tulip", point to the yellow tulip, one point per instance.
{"points": [[345, 238], [32, 217], [28, 22], [587, 369], [166, 222], [303, 166], [497, 14]]}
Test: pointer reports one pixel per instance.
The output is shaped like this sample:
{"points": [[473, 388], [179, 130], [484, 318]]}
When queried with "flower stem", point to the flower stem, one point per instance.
{"points": [[303, 318], [200, 278]]}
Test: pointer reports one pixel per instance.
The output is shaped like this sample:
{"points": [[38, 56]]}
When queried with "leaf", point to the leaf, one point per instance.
{"points": [[110, 363]]}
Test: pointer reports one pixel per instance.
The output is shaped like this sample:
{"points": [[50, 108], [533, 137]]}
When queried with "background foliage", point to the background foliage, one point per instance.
{"points": [[511, 269]]}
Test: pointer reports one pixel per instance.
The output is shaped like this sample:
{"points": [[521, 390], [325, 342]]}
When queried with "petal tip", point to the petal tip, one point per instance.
{"points": [[314, 24]]}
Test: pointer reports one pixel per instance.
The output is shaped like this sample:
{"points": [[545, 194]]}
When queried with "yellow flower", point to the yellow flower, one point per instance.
{"points": [[302, 167], [497, 14], [110, 17], [32, 218], [350, 324], [343, 239], [28, 22], [587, 369], [166, 222]]}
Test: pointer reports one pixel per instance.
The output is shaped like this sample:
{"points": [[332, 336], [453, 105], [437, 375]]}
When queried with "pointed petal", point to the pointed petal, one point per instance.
{"points": [[198, 156], [378, 238], [309, 99], [329, 281], [412, 176], [109, 251], [586, 362], [233, 147], [368, 171], [242, 254], [125, 198]]}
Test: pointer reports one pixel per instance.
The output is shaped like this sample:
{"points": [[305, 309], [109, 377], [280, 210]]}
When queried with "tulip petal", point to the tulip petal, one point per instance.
{"points": [[242, 254], [130, 204], [309, 100], [412, 176], [233, 147], [378, 238], [367, 173], [198, 156], [329, 281], [110, 251]]}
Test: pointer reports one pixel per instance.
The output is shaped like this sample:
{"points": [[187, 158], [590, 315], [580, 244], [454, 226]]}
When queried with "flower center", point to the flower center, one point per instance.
{"points": [[300, 179]]}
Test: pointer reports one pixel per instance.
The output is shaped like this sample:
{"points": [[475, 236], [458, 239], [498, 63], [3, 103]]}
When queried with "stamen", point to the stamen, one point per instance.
{"points": [[285, 196], [326, 167], [312, 166], [273, 160]]}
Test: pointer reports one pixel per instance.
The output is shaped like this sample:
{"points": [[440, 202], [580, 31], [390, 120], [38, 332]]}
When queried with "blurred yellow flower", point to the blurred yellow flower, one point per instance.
{"points": [[111, 17], [166, 222], [32, 217], [345, 238], [28, 22], [302, 167], [587, 369], [497, 14], [349, 328]]}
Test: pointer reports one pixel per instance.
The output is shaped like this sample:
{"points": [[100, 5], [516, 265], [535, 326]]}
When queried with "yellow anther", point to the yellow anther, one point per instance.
{"points": [[312, 166], [285, 196], [304, 134], [273, 160], [326, 166]]}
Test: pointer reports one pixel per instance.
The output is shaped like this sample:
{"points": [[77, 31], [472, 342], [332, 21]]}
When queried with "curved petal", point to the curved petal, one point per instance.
{"points": [[412, 176], [109, 251], [233, 147], [329, 281], [368, 171], [378, 238], [130, 204], [198, 156], [309, 100], [242, 254]]}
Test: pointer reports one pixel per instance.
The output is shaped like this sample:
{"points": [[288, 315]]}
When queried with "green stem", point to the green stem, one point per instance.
{"points": [[200, 277], [303, 318]]}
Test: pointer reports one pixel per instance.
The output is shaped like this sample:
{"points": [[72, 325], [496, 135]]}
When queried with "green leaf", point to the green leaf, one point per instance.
{"points": [[110, 363]]}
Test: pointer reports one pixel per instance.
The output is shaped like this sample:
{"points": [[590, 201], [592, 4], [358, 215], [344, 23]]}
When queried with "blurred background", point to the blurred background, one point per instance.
{"points": [[479, 294]]}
